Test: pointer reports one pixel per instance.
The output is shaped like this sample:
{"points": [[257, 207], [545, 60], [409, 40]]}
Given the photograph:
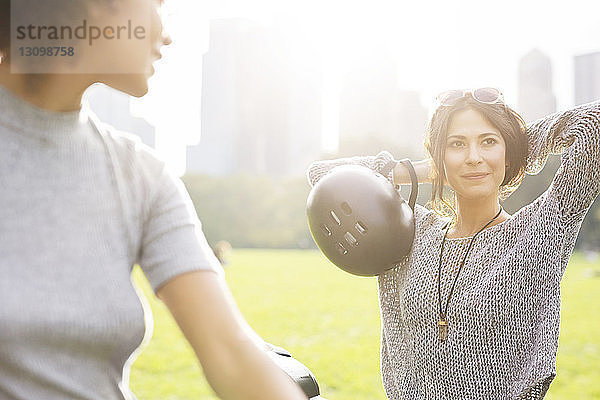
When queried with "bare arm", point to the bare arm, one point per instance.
{"points": [[232, 356]]}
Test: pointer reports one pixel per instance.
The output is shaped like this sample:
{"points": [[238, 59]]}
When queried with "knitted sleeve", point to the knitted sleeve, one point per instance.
{"points": [[575, 134], [318, 169]]}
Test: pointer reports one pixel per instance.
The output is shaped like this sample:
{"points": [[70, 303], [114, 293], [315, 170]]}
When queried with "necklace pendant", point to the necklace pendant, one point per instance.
{"points": [[443, 328]]}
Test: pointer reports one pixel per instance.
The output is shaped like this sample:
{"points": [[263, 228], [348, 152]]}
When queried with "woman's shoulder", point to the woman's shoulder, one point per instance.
{"points": [[427, 219], [128, 148]]}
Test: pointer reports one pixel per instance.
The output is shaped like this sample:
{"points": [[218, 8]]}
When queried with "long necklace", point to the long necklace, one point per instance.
{"points": [[443, 321]]}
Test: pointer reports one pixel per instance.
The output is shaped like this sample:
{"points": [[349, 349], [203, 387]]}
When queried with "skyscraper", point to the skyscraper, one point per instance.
{"points": [[257, 110], [368, 102], [375, 114], [536, 98], [587, 77]]}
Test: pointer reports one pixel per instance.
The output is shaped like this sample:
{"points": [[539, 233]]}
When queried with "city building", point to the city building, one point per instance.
{"points": [[375, 114], [536, 98], [261, 114], [587, 77]]}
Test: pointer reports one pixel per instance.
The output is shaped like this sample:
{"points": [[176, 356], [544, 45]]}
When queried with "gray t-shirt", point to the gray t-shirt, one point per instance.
{"points": [[80, 204]]}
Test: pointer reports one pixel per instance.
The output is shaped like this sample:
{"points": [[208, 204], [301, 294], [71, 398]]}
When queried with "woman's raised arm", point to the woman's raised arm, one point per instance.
{"points": [[575, 134], [318, 169]]}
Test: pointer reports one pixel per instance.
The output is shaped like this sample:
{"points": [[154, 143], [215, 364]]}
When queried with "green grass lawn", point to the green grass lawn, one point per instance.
{"points": [[329, 320]]}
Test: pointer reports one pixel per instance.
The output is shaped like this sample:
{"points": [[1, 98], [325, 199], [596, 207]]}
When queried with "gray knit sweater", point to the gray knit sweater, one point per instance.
{"points": [[77, 210], [504, 316]]}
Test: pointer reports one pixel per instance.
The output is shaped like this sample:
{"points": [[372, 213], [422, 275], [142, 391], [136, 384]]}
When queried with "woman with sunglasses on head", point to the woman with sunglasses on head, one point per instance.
{"points": [[474, 310], [81, 204]]}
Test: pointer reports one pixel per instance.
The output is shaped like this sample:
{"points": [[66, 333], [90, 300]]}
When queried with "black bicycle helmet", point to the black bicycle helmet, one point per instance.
{"points": [[360, 221]]}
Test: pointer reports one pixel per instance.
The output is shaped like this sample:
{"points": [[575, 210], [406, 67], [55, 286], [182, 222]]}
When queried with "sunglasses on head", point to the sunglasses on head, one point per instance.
{"points": [[486, 95]]}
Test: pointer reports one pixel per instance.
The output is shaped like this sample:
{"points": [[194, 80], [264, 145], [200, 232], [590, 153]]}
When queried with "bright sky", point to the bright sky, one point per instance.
{"points": [[436, 44]]}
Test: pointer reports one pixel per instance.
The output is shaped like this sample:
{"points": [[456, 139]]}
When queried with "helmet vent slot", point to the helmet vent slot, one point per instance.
{"points": [[346, 208], [350, 239], [325, 230], [361, 228], [341, 249], [335, 217]]}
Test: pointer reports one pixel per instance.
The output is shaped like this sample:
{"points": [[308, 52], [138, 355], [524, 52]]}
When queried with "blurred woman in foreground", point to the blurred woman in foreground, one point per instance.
{"points": [[81, 204]]}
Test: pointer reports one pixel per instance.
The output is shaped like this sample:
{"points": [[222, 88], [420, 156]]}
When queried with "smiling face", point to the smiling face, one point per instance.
{"points": [[474, 156]]}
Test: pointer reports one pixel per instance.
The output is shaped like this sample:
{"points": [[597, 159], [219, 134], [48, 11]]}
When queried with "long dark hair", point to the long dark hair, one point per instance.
{"points": [[506, 120]]}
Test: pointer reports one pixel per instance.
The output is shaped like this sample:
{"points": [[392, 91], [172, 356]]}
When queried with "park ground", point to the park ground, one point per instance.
{"points": [[329, 320]]}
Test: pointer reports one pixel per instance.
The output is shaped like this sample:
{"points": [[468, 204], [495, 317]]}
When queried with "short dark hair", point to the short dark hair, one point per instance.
{"points": [[506, 120], [4, 29], [64, 10]]}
